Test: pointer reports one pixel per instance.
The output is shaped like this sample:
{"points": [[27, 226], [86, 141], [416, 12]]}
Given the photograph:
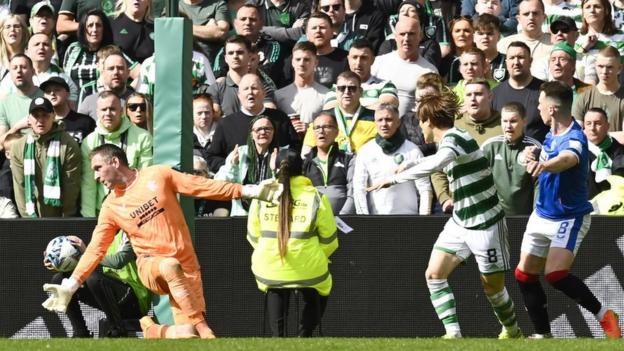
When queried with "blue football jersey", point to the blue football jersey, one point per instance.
{"points": [[564, 195]]}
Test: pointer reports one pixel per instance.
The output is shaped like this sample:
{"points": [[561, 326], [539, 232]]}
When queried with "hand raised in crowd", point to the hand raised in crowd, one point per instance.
{"points": [[235, 156], [298, 124], [592, 39]]}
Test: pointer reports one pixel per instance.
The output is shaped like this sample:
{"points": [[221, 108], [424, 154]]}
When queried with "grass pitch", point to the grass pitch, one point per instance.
{"points": [[315, 344]]}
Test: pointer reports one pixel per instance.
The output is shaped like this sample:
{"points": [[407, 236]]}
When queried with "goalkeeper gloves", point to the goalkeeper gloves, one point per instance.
{"points": [[268, 190], [60, 295]]}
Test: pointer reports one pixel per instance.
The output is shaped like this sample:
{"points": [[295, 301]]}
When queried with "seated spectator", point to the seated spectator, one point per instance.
{"points": [[114, 78], [562, 68], [378, 160], [332, 61], [232, 130], [40, 53], [486, 35], [248, 23], [250, 163], [52, 186], [531, 17], [140, 111], [472, 66], [478, 117], [506, 155], [374, 90], [606, 155], [210, 23], [204, 125], [75, 124], [352, 20], [506, 11], [608, 94], [238, 51], [435, 38], [13, 40], [355, 122], [523, 88], [14, 107], [6, 176], [462, 39], [283, 19], [329, 168], [303, 98], [112, 128], [403, 66], [133, 29]]}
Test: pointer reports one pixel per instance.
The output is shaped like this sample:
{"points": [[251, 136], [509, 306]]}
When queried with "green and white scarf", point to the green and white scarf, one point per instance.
{"points": [[51, 180], [602, 164]]}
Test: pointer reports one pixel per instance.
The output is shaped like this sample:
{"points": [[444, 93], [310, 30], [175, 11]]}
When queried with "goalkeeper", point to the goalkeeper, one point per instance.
{"points": [[144, 204]]}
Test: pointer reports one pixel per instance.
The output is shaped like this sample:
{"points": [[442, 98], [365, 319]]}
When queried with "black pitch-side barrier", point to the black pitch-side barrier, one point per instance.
{"points": [[378, 272]]}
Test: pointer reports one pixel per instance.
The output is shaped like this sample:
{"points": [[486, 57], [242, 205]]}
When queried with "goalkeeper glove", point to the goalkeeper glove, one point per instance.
{"points": [[60, 295], [268, 190]]}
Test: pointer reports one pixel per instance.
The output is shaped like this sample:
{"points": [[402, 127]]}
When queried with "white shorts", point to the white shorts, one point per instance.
{"points": [[541, 234], [489, 246]]}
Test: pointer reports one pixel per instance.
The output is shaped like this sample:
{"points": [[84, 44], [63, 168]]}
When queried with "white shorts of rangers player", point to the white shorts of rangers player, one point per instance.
{"points": [[489, 246], [542, 233]]}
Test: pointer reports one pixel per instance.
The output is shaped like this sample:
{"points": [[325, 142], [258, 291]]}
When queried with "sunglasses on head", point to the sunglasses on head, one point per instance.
{"points": [[134, 107], [350, 88], [335, 7]]}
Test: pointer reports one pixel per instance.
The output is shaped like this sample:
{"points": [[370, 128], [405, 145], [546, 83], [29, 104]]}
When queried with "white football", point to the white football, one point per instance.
{"points": [[62, 254]]}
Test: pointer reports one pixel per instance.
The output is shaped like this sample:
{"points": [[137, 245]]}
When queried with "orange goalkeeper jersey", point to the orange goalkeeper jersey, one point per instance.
{"points": [[149, 212]]}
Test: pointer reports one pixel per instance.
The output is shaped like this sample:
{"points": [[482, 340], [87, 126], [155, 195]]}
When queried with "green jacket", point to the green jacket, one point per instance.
{"points": [[138, 146], [313, 238], [71, 168]]}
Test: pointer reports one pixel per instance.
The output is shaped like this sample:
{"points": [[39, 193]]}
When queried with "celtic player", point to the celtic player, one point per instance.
{"points": [[478, 223]]}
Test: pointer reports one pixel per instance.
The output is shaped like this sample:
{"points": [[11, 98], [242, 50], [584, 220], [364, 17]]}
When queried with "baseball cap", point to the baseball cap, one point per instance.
{"points": [[40, 103], [54, 81], [40, 5], [563, 21]]}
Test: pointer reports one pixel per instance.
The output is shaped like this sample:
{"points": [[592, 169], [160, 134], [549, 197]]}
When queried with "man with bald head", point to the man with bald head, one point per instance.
{"points": [[234, 128], [404, 66]]}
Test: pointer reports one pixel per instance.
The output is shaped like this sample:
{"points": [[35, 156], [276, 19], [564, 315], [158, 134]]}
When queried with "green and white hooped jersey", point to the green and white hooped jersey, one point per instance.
{"points": [[476, 204], [553, 12], [616, 40]]}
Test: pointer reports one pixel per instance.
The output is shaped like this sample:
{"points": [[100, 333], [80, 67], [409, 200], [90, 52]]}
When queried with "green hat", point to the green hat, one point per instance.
{"points": [[40, 5], [565, 47]]}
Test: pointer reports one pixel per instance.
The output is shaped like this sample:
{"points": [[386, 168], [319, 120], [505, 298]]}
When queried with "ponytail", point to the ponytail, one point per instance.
{"points": [[284, 209]]}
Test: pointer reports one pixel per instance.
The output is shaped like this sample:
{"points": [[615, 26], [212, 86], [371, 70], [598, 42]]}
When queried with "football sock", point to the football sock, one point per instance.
{"points": [[504, 309], [443, 301], [575, 289], [534, 300]]}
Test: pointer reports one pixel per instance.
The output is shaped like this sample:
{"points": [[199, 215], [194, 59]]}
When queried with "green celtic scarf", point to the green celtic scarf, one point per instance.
{"points": [[602, 164], [51, 179], [389, 146]]}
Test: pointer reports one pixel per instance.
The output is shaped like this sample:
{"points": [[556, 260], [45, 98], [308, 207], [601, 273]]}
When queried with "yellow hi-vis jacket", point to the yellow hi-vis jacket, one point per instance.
{"points": [[313, 238]]}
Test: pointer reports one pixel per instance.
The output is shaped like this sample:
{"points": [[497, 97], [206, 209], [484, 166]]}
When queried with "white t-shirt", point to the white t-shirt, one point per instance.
{"points": [[305, 102]]}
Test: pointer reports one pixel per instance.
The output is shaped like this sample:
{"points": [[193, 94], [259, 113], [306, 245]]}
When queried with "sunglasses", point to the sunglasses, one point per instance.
{"points": [[335, 7], [350, 88], [562, 29], [134, 107], [262, 129]]}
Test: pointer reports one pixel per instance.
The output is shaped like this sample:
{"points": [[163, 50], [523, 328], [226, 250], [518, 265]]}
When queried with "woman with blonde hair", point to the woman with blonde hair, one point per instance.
{"points": [[13, 40], [292, 243], [140, 112]]}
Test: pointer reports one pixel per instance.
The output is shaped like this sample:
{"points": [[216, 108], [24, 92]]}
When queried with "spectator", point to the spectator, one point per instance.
{"points": [[506, 155], [332, 61], [521, 87], [71, 12], [506, 11], [225, 92], [608, 94], [210, 22], [13, 40], [486, 35], [606, 155], [204, 125], [283, 19], [114, 78], [75, 124], [112, 128], [462, 39], [403, 66], [7, 208], [51, 187], [355, 122], [472, 66], [531, 17], [14, 107], [232, 130], [139, 111], [40, 52], [556, 9], [43, 21], [380, 159], [133, 29], [303, 98], [352, 20], [374, 90], [562, 68], [478, 117], [427, 84], [249, 163], [329, 168], [248, 23], [6, 176]]}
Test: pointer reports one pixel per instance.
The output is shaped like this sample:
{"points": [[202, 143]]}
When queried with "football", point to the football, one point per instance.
{"points": [[62, 254]]}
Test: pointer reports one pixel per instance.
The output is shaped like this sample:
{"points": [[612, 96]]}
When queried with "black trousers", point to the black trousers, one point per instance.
{"points": [[277, 301], [114, 297]]}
